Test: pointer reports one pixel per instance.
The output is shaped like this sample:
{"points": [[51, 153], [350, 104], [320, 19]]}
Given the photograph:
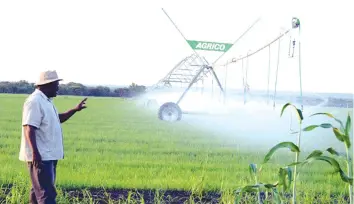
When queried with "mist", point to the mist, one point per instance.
{"points": [[255, 125], [260, 130]]}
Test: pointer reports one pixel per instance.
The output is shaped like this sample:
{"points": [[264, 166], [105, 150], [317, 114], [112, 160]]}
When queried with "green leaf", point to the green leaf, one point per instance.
{"points": [[315, 153], [326, 125], [345, 178], [347, 131], [252, 169], [323, 125], [294, 164], [250, 188], [334, 163], [276, 196], [331, 116], [319, 153], [347, 140], [290, 175], [334, 152], [254, 188], [299, 112], [284, 107], [348, 125], [309, 128], [327, 159], [288, 145], [270, 186], [327, 114], [282, 178], [340, 136], [238, 197], [285, 179]]}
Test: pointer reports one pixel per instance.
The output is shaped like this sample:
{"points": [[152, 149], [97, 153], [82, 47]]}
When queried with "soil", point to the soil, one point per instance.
{"points": [[103, 196], [149, 195], [168, 196]]}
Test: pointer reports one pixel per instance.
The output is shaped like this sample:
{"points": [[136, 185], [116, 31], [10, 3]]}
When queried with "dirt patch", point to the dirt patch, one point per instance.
{"points": [[146, 195], [149, 196]]}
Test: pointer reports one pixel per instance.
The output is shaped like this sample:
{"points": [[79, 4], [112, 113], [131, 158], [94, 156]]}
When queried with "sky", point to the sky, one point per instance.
{"points": [[120, 42]]}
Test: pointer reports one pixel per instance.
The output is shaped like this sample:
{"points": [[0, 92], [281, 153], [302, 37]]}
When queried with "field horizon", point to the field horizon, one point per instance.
{"points": [[119, 146]]}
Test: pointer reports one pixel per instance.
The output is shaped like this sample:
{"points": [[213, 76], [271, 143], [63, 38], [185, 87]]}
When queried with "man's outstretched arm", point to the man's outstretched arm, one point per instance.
{"points": [[65, 116]]}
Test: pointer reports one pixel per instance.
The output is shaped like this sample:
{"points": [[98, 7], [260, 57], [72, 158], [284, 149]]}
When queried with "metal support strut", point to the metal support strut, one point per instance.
{"points": [[168, 109]]}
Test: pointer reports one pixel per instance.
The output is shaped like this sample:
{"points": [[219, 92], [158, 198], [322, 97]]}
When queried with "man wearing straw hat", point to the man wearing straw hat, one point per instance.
{"points": [[42, 140]]}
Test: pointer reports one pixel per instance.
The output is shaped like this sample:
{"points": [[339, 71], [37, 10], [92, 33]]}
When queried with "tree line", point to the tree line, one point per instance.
{"points": [[75, 89]]}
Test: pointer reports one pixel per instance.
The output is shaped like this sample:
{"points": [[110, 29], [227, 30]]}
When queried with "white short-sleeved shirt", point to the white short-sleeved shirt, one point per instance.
{"points": [[40, 112]]}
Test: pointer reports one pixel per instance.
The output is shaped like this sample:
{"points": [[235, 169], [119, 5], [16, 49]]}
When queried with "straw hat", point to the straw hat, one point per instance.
{"points": [[47, 77]]}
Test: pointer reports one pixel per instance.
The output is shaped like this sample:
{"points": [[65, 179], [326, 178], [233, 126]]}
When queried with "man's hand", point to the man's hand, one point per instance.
{"points": [[81, 105], [65, 116], [36, 159]]}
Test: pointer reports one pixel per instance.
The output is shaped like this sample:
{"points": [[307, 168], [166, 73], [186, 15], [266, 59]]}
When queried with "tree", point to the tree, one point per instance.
{"points": [[73, 88]]}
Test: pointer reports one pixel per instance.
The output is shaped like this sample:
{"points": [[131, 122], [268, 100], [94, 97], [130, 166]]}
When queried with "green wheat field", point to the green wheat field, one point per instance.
{"points": [[115, 144]]}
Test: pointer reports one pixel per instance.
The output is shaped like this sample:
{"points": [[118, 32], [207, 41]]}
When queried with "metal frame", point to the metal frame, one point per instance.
{"points": [[183, 72], [195, 75], [294, 26], [191, 78]]}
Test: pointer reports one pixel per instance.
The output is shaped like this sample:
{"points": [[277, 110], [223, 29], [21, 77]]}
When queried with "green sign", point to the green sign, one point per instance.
{"points": [[211, 46]]}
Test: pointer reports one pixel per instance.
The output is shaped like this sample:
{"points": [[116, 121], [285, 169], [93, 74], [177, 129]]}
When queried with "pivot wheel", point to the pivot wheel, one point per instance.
{"points": [[170, 112]]}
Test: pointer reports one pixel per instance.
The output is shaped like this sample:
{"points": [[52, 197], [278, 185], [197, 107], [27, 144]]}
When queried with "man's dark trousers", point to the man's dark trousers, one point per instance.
{"points": [[43, 182]]}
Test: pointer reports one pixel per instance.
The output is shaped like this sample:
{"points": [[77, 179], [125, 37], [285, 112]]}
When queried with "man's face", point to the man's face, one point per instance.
{"points": [[52, 89]]}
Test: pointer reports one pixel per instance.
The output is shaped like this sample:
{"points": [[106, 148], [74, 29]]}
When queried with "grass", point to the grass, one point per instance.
{"points": [[116, 145]]}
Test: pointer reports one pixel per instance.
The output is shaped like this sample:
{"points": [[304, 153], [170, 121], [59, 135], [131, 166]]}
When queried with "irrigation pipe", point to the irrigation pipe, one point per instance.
{"points": [[260, 49]]}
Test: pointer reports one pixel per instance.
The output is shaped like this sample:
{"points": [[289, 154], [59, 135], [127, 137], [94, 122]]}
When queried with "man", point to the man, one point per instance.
{"points": [[42, 140]]}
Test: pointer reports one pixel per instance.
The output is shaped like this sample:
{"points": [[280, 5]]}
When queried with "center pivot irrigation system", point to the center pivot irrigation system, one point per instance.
{"points": [[195, 68]]}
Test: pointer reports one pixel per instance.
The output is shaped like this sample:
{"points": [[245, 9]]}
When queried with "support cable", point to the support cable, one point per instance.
{"points": [[268, 77], [302, 100], [225, 83], [276, 78]]}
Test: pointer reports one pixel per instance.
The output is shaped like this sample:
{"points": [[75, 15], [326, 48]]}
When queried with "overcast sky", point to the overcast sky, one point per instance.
{"points": [[120, 42]]}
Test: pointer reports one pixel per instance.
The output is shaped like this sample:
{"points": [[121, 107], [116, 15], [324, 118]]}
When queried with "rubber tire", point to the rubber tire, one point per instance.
{"points": [[170, 105]]}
